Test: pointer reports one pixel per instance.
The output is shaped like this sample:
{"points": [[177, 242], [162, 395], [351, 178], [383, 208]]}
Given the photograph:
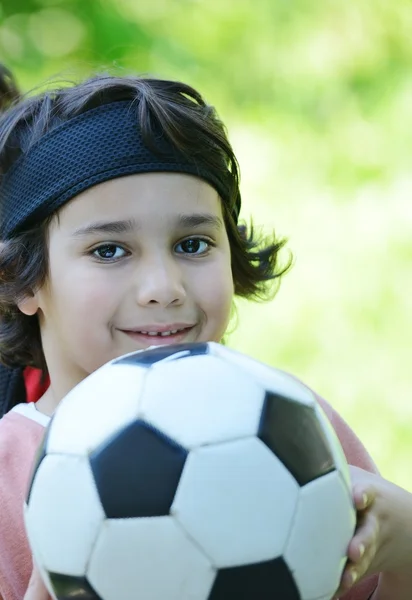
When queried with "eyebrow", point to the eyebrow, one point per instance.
{"points": [[129, 225], [199, 219], [124, 226]]}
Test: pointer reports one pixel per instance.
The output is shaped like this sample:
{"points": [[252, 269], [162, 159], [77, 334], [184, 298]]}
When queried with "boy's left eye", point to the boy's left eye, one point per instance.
{"points": [[109, 252], [193, 246]]}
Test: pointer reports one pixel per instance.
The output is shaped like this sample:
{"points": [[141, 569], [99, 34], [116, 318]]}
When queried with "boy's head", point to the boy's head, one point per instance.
{"points": [[119, 205]]}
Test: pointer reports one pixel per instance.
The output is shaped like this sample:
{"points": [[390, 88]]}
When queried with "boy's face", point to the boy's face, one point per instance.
{"points": [[136, 261]]}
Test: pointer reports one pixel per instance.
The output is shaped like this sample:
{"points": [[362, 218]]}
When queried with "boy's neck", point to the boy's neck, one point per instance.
{"points": [[47, 403]]}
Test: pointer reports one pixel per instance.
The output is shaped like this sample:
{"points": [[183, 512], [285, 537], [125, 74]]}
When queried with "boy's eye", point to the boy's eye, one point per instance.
{"points": [[193, 246], [109, 252]]}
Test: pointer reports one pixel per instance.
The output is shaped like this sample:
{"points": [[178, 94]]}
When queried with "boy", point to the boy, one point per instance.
{"points": [[120, 204]]}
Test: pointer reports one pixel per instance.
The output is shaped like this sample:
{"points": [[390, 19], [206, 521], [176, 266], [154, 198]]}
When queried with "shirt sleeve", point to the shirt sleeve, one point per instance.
{"points": [[355, 452], [19, 439], [357, 455]]}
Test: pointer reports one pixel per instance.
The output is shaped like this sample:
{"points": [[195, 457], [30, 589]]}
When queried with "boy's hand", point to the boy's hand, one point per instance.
{"points": [[36, 589], [383, 539]]}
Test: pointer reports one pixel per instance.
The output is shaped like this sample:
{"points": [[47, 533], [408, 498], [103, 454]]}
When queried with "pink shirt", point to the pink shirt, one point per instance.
{"points": [[21, 432], [20, 437]]}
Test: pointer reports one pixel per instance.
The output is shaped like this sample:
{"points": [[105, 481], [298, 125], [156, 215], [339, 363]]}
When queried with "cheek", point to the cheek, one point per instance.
{"points": [[215, 290], [82, 294]]}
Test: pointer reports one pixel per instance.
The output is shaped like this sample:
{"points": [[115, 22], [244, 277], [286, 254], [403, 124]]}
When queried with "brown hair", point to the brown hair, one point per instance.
{"points": [[190, 124]]}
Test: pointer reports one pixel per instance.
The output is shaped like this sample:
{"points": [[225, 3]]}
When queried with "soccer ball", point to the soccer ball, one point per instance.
{"points": [[190, 472]]}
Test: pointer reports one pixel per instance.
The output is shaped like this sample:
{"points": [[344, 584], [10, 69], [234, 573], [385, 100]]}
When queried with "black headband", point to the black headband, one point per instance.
{"points": [[100, 144]]}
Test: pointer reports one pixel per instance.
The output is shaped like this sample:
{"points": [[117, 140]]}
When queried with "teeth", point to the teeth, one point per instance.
{"points": [[161, 333]]}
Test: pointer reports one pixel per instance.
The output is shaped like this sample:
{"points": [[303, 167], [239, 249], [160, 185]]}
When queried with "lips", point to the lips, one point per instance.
{"points": [[159, 329]]}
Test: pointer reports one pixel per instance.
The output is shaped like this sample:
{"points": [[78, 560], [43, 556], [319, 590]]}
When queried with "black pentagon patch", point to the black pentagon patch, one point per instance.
{"points": [[261, 581], [38, 458], [137, 472], [293, 432], [154, 355], [67, 587]]}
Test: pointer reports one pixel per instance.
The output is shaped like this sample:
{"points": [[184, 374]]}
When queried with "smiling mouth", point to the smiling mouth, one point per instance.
{"points": [[163, 333], [152, 334]]}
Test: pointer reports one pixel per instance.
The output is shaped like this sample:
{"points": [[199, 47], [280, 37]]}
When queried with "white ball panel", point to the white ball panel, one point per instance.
{"points": [[108, 399], [148, 558], [237, 501], [336, 448], [323, 526], [201, 400], [64, 514], [273, 380]]}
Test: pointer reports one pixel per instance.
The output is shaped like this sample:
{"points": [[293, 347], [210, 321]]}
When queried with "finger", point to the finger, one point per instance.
{"points": [[349, 577], [353, 572], [36, 589], [363, 497], [361, 552], [364, 539]]}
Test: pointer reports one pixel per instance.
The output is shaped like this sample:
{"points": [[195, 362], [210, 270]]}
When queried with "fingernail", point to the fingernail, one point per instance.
{"points": [[353, 576], [365, 499], [361, 550]]}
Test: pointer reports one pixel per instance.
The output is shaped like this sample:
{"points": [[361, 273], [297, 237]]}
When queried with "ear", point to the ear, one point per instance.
{"points": [[29, 305]]}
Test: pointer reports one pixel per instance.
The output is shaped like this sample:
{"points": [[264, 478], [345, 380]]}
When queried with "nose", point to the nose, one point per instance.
{"points": [[160, 282]]}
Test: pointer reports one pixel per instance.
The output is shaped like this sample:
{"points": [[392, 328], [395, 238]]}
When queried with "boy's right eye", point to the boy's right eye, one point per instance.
{"points": [[108, 252]]}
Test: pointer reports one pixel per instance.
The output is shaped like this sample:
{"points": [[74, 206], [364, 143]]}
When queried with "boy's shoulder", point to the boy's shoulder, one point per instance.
{"points": [[21, 431], [20, 437]]}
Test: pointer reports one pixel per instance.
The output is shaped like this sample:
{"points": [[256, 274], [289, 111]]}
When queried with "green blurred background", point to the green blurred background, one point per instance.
{"points": [[317, 97]]}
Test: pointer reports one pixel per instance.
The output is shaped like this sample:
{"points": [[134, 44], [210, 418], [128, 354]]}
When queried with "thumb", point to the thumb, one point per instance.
{"points": [[36, 590]]}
